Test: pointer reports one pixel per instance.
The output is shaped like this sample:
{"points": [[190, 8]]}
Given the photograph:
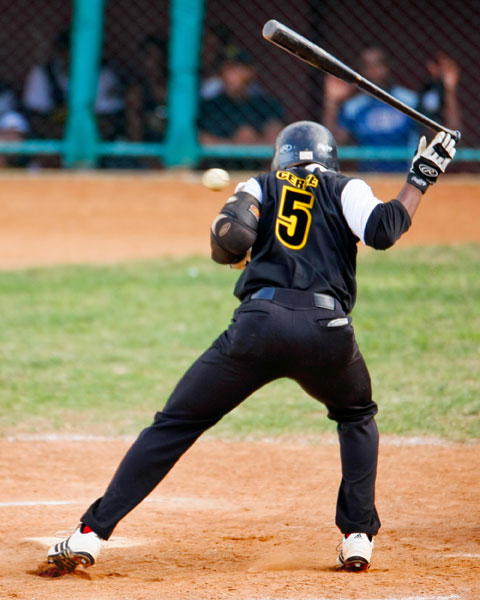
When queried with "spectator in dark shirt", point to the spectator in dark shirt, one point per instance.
{"points": [[438, 97], [215, 43], [147, 95], [241, 113], [8, 101]]}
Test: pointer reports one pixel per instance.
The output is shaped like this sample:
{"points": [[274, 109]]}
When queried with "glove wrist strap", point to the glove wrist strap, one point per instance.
{"points": [[419, 182]]}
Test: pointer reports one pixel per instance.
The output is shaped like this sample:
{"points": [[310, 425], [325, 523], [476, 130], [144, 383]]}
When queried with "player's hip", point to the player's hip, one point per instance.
{"points": [[266, 330]]}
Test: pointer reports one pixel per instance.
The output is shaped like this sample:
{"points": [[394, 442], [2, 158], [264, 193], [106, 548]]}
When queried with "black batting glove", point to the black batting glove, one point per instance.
{"points": [[431, 160]]}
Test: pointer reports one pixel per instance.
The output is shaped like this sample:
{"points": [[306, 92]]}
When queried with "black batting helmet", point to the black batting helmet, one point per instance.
{"points": [[305, 142]]}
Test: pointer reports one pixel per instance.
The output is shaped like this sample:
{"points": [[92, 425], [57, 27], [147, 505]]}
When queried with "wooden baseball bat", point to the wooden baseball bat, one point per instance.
{"points": [[289, 40]]}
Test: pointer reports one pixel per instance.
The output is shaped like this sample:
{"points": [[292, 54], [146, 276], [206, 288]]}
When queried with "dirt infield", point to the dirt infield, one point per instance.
{"points": [[234, 520], [243, 520], [86, 218]]}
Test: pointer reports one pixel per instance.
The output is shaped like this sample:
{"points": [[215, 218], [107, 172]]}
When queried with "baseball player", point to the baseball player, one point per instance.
{"points": [[300, 225]]}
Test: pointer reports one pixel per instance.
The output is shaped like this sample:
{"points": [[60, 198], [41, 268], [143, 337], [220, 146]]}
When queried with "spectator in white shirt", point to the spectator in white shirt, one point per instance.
{"points": [[46, 90]]}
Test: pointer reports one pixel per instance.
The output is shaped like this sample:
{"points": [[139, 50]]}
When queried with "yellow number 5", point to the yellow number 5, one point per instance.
{"points": [[294, 217]]}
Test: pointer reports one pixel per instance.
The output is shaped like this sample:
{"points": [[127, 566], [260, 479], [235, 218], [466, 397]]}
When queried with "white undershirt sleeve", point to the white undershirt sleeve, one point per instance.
{"points": [[358, 203], [251, 187]]}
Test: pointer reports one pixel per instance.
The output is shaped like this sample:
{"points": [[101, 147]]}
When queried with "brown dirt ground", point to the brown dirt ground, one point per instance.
{"points": [[234, 520], [46, 219], [244, 520]]}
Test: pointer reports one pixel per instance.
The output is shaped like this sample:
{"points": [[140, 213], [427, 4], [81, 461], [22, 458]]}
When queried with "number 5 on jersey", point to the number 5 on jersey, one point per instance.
{"points": [[294, 217]]}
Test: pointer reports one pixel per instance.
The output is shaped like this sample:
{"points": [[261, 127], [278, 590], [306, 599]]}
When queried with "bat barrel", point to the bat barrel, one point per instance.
{"points": [[289, 40]]}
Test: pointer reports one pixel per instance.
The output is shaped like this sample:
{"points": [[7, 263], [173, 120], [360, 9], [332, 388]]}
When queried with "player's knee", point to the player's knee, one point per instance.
{"points": [[353, 413]]}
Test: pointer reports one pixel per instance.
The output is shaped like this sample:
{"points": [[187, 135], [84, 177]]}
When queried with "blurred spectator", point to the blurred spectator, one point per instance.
{"points": [[240, 113], [13, 128], [215, 43], [146, 97], [438, 98], [365, 121], [7, 99], [45, 91], [46, 88], [213, 85], [109, 103]]}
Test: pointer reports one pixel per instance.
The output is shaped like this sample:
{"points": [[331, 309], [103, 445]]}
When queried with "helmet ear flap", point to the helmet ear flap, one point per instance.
{"points": [[305, 142]]}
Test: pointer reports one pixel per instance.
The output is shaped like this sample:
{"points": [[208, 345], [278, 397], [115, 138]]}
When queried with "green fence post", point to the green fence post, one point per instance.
{"points": [[186, 18], [81, 136]]}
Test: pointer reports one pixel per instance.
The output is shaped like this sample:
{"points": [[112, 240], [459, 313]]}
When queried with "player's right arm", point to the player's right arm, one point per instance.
{"points": [[234, 229], [379, 224]]}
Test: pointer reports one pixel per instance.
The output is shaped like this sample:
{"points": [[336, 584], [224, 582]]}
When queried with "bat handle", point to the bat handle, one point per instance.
{"points": [[455, 133]]}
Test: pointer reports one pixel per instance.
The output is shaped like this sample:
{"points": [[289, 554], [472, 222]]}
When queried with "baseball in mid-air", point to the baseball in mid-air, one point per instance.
{"points": [[215, 179]]}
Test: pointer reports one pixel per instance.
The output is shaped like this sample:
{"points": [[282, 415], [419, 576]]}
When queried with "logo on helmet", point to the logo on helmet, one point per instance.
{"points": [[286, 148], [324, 148]]}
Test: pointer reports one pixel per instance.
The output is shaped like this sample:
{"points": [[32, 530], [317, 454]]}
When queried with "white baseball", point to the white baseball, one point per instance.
{"points": [[216, 179]]}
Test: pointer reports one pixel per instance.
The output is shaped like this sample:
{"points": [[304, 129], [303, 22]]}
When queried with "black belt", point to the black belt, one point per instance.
{"points": [[295, 297]]}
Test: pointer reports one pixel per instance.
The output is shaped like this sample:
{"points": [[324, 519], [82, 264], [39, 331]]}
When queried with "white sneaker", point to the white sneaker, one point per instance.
{"points": [[355, 552], [78, 549]]}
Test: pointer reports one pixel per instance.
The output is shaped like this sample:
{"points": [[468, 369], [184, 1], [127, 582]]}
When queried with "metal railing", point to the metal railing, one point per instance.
{"points": [[301, 91]]}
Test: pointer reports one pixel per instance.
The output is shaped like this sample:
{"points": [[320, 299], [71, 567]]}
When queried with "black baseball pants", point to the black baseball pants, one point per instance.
{"points": [[266, 340]]}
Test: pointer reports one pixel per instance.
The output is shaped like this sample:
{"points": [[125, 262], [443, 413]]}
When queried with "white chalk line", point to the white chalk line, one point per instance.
{"points": [[37, 503], [167, 503], [321, 440], [462, 555], [67, 437], [452, 597], [114, 542]]}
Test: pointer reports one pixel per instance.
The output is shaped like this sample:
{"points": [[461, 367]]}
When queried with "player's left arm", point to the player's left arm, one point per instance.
{"points": [[386, 222], [375, 223], [234, 230]]}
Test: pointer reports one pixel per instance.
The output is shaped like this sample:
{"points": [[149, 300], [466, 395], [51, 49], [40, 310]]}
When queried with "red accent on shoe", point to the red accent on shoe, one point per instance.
{"points": [[86, 529]]}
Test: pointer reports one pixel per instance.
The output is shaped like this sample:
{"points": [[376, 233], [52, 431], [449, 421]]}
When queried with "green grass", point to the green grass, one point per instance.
{"points": [[98, 349]]}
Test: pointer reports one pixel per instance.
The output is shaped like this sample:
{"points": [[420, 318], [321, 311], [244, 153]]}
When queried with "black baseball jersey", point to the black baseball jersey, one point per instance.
{"points": [[304, 241], [309, 229]]}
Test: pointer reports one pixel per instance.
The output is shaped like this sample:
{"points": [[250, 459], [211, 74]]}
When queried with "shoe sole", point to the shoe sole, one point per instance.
{"points": [[355, 564], [67, 564]]}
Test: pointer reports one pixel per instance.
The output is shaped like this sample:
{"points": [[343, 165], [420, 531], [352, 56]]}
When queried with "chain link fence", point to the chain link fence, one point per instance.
{"points": [[136, 46], [427, 54], [31, 50], [424, 53]]}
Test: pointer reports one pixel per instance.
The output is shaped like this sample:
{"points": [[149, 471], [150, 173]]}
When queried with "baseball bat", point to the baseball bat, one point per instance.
{"points": [[289, 40]]}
